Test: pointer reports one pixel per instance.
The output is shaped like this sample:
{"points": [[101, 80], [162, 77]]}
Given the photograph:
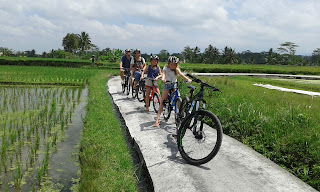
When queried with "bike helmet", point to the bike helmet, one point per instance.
{"points": [[173, 59], [128, 50], [137, 50], [152, 57]]}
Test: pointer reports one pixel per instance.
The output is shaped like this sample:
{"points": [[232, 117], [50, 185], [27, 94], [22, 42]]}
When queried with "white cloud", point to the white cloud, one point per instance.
{"points": [[155, 25]]}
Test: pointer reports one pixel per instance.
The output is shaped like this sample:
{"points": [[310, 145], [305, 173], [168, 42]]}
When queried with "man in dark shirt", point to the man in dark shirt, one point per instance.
{"points": [[125, 63]]}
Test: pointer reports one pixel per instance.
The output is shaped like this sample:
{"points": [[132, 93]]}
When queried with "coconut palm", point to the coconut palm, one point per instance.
{"points": [[84, 41]]}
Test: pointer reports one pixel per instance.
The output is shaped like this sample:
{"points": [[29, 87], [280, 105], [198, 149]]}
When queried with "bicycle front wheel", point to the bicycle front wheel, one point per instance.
{"points": [[128, 85], [166, 109], [156, 101], [133, 93], [141, 92], [178, 107], [199, 137]]}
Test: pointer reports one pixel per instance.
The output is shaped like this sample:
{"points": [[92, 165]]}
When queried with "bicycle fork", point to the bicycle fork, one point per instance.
{"points": [[197, 133]]}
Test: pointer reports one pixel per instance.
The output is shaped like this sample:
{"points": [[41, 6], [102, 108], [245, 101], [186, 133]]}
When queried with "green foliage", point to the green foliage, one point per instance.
{"points": [[70, 42], [105, 161]]}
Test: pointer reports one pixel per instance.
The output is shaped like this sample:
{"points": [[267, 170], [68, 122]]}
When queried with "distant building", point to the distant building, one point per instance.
{"points": [[1, 53]]}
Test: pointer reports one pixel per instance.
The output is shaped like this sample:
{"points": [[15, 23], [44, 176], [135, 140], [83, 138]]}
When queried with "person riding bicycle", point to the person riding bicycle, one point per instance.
{"points": [[153, 73], [137, 64], [170, 73], [125, 63]]}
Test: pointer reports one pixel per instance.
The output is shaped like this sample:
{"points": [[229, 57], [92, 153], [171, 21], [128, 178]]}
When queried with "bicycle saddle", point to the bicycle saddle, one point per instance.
{"points": [[192, 87]]}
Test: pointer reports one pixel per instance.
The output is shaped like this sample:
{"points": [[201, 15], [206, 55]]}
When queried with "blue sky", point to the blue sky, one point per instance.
{"points": [[155, 25]]}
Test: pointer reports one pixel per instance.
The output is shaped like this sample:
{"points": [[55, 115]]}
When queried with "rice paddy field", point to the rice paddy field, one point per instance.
{"points": [[48, 131]]}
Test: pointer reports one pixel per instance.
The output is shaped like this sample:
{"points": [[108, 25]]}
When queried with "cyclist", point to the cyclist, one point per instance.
{"points": [[125, 63], [153, 72], [170, 73], [137, 64]]}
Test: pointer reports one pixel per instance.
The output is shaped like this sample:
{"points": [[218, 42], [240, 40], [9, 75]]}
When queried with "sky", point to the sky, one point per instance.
{"points": [[153, 25]]}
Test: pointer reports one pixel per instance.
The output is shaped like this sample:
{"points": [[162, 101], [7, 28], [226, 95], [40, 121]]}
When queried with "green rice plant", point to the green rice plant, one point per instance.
{"points": [[39, 174], [17, 175]]}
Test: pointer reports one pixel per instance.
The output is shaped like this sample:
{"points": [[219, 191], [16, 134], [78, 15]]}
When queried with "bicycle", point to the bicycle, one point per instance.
{"points": [[173, 102], [153, 96], [141, 90], [134, 93], [200, 134], [127, 81]]}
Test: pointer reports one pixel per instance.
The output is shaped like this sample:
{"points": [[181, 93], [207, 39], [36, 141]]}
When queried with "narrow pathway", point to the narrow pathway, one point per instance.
{"points": [[235, 168]]}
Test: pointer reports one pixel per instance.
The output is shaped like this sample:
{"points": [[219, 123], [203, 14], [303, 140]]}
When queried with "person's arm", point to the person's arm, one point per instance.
{"points": [[144, 71], [184, 77], [163, 76], [131, 64], [121, 69]]}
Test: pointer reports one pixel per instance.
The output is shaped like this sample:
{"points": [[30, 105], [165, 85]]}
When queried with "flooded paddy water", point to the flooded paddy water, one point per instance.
{"points": [[40, 129]]}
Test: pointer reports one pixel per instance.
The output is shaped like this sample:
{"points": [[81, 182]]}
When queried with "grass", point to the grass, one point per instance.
{"points": [[272, 69], [105, 162], [285, 127]]}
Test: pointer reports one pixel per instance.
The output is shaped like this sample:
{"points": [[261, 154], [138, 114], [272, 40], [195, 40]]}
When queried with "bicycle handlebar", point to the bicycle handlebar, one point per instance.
{"points": [[203, 83]]}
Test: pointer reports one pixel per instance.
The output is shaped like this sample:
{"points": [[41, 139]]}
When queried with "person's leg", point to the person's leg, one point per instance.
{"points": [[164, 97], [148, 89], [137, 77], [158, 91], [122, 76]]}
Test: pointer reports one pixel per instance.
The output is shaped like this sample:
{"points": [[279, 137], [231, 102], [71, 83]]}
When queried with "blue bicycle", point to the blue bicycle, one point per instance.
{"points": [[173, 102]]}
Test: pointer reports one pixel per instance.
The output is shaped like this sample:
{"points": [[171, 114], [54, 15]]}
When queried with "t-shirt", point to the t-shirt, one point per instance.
{"points": [[126, 62], [170, 76], [138, 64]]}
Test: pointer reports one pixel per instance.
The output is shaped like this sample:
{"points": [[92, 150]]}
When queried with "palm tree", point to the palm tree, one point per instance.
{"points": [[271, 57], [84, 41], [229, 55]]}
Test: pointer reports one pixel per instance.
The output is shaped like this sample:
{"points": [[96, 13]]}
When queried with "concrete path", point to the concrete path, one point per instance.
{"points": [[235, 168]]}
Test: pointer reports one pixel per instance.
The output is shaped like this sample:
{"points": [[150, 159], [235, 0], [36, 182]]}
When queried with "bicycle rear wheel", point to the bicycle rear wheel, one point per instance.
{"points": [[156, 101], [199, 137], [166, 109]]}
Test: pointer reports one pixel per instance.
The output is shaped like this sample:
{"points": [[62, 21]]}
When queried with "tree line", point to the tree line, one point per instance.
{"points": [[79, 46]]}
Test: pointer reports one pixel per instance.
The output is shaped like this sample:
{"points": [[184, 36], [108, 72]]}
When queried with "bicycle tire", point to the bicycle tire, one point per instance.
{"points": [[133, 93], [212, 128], [156, 101], [128, 85], [123, 87], [166, 109], [141, 93], [178, 106], [184, 108]]}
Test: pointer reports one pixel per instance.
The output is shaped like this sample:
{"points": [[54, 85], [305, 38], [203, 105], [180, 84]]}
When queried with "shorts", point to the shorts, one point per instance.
{"points": [[168, 86], [137, 75], [149, 83]]}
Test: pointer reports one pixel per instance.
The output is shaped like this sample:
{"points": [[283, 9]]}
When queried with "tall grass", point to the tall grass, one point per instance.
{"points": [[285, 127]]}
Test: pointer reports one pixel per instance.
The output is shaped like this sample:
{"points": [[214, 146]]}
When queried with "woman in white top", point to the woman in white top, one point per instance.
{"points": [[169, 73]]}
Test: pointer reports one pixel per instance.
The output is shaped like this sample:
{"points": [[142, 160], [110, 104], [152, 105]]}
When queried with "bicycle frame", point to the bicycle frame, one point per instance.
{"points": [[173, 97], [153, 89]]}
